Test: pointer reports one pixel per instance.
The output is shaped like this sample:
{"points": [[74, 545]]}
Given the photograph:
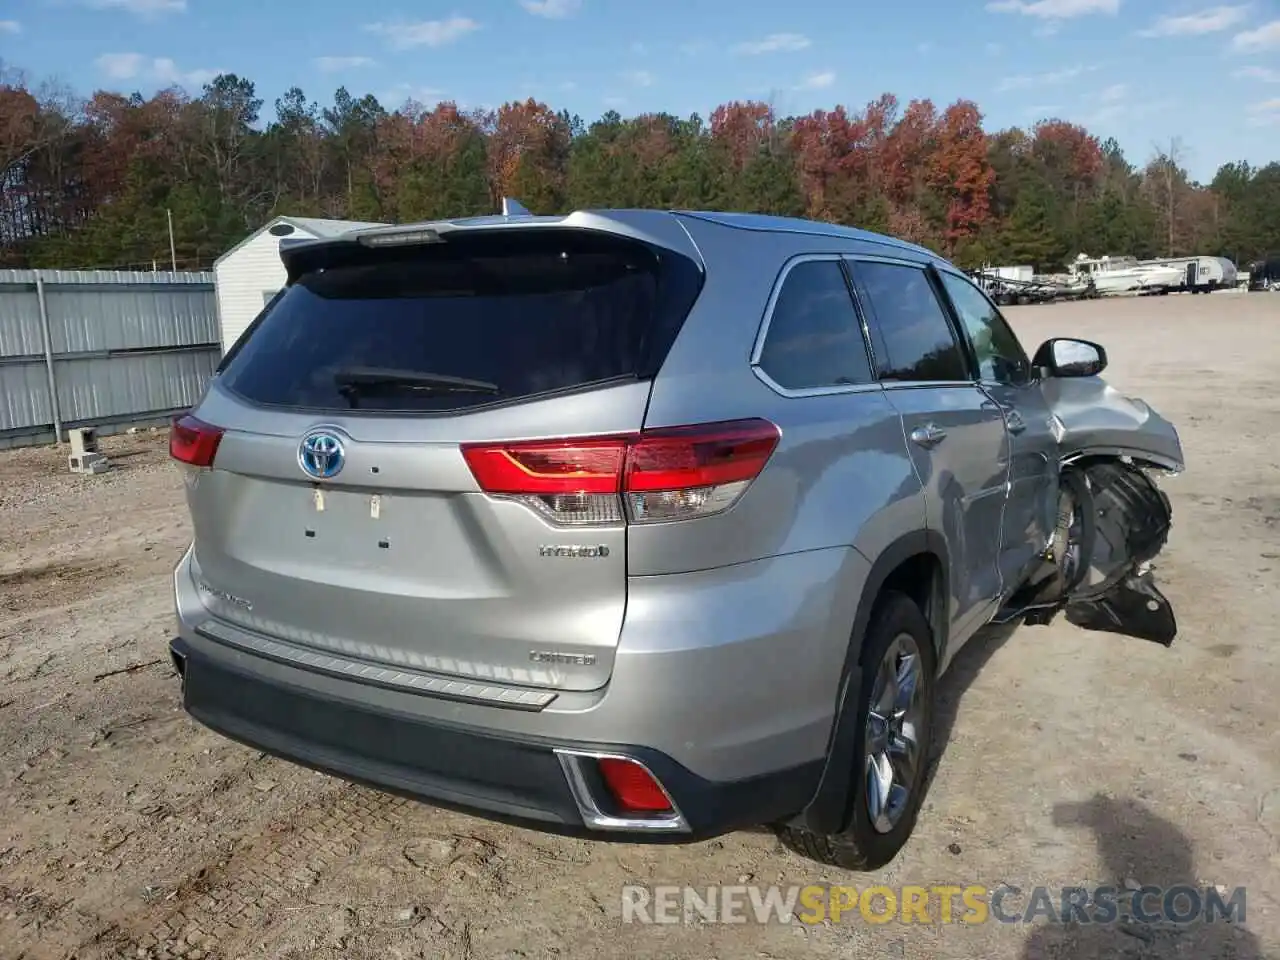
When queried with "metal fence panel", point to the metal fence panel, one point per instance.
{"points": [[120, 347], [117, 388], [86, 319], [19, 321], [24, 395]]}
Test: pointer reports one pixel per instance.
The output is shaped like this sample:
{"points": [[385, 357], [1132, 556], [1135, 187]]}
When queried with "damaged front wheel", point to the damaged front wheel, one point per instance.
{"points": [[1112, 522]]}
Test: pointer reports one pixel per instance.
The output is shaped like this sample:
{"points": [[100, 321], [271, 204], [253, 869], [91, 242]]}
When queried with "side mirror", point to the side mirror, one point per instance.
{"points": [[1066, 357]]}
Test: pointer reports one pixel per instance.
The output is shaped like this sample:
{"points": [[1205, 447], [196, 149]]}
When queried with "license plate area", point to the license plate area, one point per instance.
{"points": [[357, 521]]}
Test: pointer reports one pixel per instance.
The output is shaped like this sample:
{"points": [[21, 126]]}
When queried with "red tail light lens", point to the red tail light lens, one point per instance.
{"points": [[695, 471], [633, 788], [193, 441], [688, 457], [667, 474], [558, 466]]}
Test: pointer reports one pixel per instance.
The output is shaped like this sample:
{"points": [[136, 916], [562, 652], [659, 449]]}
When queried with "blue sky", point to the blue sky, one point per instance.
{"points": [[1140, 70]]}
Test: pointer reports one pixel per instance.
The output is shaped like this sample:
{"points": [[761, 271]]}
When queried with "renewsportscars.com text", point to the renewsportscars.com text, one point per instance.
{"points": [[967, 904]]}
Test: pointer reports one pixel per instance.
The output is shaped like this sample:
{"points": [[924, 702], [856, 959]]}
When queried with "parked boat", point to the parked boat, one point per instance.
{"points": [[1124, 274], [1008, 286]]}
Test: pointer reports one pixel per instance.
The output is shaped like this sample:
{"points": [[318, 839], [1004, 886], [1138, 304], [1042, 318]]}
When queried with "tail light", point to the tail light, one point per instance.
{"points": [[655, 475], [633, 788], [194, 442]]}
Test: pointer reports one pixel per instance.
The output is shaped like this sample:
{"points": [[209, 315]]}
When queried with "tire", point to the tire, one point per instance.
{"points": [[861, 846], [1077, 530]]}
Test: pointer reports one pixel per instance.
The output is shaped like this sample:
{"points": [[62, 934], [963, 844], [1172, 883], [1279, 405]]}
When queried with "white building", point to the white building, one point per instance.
{"points": [[249, 274]]}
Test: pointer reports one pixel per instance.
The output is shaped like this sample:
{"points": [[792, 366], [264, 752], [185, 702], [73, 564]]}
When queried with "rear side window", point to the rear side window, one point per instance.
{"points": [[918, 340], [468, 321], [814, 337]]}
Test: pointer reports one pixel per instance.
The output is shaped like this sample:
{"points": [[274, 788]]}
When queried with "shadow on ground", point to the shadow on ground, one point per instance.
{"points": [[1135, 847], [964, 669], [1138, 849]]}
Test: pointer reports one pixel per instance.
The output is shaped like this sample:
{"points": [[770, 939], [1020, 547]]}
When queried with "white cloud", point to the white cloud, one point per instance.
{"points": [[10, 26], [134, 66], [639, 78], [1108, 114], [1052, 78], [141, 8], [1114, 115], [424, 33], [121, 66], [1054, 9], [336, 64], [994, 49], [568, 85], [403, 93], [552, 9], [1264, 113], [775, 43], [817, 81], [166, 71], [694, 48], [1264, 37], [1265, 74], [639, 49], [1211, 20], [1117, 91], [614, 102]]}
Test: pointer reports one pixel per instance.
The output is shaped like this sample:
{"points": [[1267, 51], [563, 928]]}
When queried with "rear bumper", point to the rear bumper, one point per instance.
{"points": [[529, 781], [724, 686]]}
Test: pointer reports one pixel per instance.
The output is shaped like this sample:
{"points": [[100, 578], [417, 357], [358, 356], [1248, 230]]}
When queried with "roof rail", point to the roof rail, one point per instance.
{"points": [[514, 208]]}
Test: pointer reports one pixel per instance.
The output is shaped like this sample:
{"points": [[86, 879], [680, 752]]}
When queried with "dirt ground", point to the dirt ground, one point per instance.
{"points": [[1067, 759]]}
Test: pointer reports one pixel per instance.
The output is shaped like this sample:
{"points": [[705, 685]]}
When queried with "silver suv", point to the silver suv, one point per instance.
{"points": [[643, 524]]}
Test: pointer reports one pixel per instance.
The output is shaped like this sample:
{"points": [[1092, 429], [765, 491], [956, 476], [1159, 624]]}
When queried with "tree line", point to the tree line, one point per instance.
{"points": [[92, 183]]}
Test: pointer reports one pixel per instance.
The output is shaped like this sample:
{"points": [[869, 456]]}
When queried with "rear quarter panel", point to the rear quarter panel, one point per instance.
{"points": [[840, 477]]}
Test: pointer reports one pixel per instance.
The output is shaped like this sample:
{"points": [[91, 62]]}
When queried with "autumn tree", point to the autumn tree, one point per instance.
{"points": [[528, 155], [430, 164], [960, 173], [91, 182]]}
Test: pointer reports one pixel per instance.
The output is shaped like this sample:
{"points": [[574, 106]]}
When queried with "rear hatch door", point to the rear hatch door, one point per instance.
{"points": [[341, 516]]}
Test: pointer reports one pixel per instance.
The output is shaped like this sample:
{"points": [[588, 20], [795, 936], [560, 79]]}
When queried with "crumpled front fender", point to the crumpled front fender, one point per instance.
{"points": [[1093, 418]]}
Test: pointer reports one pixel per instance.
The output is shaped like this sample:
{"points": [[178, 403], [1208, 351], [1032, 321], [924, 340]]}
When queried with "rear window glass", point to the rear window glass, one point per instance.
{"points": [[463, 323]]}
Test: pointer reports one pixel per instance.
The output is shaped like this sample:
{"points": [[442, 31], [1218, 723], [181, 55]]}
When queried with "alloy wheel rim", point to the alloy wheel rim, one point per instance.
{"points": [[892, 736]]}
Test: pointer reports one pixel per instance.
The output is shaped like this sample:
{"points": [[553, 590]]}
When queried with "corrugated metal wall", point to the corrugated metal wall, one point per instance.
{"points": [[101, 347]]}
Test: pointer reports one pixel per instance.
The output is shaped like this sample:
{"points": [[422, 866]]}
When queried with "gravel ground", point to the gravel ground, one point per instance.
{"points": [[1067, 759]]}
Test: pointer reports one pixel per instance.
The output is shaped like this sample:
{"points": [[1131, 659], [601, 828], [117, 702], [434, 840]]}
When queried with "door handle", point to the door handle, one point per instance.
{"points": [[1013, 420], [930, 435]]}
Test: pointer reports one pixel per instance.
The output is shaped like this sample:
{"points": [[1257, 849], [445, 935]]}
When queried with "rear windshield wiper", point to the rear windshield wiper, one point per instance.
{"points": [[353, 381]]}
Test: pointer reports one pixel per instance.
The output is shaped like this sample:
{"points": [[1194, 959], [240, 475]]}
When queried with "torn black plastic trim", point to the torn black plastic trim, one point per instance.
{"points": [[1134, 607]]}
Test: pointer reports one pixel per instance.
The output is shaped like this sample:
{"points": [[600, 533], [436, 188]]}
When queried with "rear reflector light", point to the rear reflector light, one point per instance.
{"points": [[633, 788], [668, 474], [193, 441]]}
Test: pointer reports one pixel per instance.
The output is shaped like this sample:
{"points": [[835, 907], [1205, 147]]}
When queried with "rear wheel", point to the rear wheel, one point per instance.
{"points": [[891, 750]]}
